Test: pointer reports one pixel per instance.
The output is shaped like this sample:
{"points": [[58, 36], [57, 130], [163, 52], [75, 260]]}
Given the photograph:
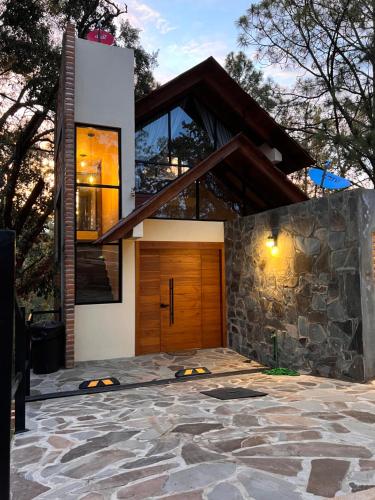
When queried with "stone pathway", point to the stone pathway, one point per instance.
{"points": [[138, 369], [309, 438]]}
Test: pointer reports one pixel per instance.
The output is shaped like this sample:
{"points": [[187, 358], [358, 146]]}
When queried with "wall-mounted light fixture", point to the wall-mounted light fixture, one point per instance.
{"points": [[271, 241], [272, 244]]}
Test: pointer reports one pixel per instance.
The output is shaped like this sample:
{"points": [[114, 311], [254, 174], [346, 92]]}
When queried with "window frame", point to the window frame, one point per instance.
{"points": [[119, 188], [158, 166], [169, 163]]}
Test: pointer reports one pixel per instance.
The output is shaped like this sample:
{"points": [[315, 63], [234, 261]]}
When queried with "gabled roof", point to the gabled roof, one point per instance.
{"points": [[210, 83], [264, 185]]}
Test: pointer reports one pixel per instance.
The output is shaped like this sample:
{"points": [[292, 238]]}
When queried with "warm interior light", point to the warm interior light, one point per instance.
{"points": [[83, 163], [270, 242], [77, 203], [91, 179], [274, 251]]}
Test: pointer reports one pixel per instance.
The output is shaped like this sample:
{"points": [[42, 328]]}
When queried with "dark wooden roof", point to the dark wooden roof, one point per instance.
{"points": [[239, 163], [210, 83]]}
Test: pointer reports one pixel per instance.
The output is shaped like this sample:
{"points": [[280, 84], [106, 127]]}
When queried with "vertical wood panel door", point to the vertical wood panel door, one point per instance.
{"points": [[179, 298]]}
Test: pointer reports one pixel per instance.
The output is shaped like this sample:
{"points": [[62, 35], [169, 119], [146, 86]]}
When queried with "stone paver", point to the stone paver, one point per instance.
{"points": [[139, 368], [172, 442], [326, 476]]}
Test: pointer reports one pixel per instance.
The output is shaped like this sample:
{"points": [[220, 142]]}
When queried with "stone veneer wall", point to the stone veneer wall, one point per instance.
{"points": [[309, 294]]}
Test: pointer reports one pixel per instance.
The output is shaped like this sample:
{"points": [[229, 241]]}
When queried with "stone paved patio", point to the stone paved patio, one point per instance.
{"points": [[139, 369], [309, 438]]}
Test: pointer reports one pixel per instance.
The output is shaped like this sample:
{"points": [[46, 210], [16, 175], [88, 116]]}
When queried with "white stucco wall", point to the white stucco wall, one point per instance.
{"points": [[104, 95], [106, 331], [182, 230]]}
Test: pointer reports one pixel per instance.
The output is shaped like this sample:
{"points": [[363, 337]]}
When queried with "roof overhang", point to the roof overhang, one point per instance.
{"points": [[238, 161], [209, 82]]}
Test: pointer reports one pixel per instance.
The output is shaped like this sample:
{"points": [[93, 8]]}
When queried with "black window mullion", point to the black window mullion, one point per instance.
{"points": [[197, 204], [169, 138], [118, 244], [104, 186], [215, 133]]}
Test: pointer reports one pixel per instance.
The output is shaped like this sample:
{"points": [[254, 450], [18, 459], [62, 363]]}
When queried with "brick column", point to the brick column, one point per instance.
{"points": [[69, 195], [65, 184]]}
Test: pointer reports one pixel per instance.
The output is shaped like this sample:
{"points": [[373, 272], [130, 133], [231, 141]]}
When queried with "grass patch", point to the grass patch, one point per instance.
{"points": [[281, 371]]}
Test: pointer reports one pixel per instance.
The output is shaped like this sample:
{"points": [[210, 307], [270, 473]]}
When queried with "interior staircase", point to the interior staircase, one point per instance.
{"points": [[92, 281]]}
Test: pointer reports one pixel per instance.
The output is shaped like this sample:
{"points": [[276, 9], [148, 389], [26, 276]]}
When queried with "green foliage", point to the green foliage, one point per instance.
{"points": [[30, 48], [243, 71], [145, 62], [331, 49], [281, 371]]}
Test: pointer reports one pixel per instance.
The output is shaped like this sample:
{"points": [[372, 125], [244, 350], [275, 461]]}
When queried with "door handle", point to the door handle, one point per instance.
{"points": [[171, 301], [164, 306]]}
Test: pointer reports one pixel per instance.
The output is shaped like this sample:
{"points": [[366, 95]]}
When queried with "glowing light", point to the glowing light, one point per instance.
{"points": [[83, 163], [45, 145], [91, 179], [270, 243], [77, 203], [274, 251]]}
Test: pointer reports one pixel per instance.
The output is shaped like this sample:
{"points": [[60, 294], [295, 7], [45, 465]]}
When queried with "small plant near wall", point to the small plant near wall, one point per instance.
{"points": [[281, 371], [277, 370]]}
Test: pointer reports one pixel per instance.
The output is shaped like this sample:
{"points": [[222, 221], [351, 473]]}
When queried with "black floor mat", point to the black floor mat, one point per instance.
{"points": [[233, 393]]}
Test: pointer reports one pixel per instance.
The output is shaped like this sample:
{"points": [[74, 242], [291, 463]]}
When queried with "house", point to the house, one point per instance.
{"points": [[142, 194]]}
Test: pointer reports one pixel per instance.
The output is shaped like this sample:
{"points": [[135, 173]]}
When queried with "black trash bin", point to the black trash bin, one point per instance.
{"points": [[47, 346]]}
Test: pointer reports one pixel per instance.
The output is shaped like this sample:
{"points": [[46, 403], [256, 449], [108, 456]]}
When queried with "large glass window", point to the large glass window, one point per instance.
{"points": [[170, 145], [203, 200], [97, 273], [97, 206], [183, 206]]}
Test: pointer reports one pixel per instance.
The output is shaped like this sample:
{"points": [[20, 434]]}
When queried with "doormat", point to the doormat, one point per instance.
{"points": [[190, 372], [233, 393], [190, 352], [99, 382]]}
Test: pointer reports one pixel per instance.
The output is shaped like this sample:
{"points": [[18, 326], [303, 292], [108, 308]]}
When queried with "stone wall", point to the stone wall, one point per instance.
{"points": [[308, 295]]}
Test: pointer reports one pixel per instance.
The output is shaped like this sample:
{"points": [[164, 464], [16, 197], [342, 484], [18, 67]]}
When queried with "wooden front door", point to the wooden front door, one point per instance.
{"points": [[179, 296]]}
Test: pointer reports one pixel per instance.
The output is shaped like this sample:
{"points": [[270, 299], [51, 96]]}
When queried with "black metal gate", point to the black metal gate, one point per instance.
{"points": [[14, 358]]}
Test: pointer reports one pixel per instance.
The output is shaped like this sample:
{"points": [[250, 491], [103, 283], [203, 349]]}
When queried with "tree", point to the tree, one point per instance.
{"points": [[331, 46], [243, 71], [29, 67], [145, 62]]}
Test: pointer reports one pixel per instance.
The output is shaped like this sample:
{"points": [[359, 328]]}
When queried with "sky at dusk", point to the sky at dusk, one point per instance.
{"points": [[187, 32]]}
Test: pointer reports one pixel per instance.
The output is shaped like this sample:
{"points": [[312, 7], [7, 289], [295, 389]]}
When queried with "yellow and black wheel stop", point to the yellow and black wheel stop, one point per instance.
{"points": [[191, 372], [99, 382]]}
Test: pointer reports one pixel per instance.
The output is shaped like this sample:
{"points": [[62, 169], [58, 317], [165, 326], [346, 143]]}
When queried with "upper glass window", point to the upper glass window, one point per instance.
{"points": [[151, 141], [97, 181], [97, 205], [97, 158], [174, 142]]}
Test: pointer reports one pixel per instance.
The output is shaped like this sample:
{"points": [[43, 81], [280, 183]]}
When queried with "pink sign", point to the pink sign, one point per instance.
{"points": [[100, 36]]}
